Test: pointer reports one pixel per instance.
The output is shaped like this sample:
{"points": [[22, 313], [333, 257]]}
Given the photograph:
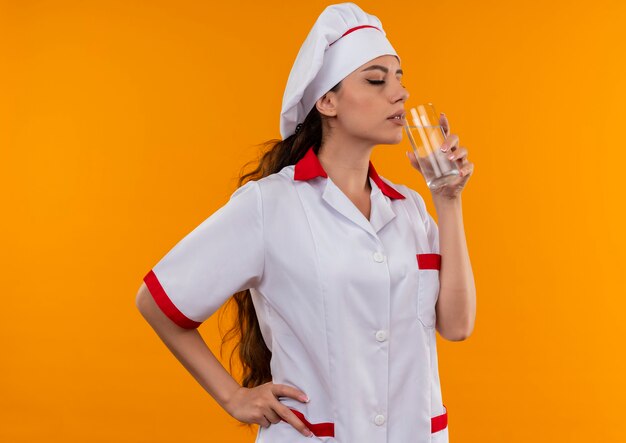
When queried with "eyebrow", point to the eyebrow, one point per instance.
{"points": [[382, 68]]}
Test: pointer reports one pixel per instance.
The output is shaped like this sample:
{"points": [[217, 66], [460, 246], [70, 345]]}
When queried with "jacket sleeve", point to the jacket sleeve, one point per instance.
{"points": [[223, 255]]}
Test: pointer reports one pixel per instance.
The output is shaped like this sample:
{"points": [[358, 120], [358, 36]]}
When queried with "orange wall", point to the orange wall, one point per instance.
{"points": [[123, 125]]}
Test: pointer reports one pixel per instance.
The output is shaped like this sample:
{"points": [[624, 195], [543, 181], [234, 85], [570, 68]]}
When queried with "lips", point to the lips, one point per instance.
{"points": [[398, 121], [399, 113]]}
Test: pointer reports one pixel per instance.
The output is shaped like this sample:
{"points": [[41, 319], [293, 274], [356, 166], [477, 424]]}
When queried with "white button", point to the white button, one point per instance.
{"points": [[379, 420], [381, 335], [379, 257]]}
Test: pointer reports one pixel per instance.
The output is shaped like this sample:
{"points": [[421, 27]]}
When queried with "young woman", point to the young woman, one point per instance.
{"points": [[341, 276]]}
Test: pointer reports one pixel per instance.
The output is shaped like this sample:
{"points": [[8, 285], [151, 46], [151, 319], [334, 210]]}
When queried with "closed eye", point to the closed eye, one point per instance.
{"points": [[380, 82]]}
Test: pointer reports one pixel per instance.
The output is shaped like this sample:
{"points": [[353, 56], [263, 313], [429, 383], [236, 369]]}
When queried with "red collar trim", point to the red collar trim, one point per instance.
{"points": [[309, 167]]}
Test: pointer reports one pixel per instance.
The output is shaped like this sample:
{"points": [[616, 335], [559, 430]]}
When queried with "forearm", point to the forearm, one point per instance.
{"points": [[190, 349], [456, 305]]}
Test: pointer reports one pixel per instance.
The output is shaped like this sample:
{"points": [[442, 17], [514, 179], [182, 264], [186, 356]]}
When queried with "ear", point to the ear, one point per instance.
{"points": [[327, 104]]}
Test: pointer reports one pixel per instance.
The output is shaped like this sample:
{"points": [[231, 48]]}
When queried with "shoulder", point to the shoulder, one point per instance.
{"points": [[282, 177], [277, 184], [268, 183], [265, 192]]}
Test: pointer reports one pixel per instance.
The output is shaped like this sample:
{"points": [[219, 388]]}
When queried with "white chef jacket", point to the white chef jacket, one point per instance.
{"points": [[345, 305]]}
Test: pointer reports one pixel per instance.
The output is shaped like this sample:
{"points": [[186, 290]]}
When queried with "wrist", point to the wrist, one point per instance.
{"points": [[445, 201], [226, 401]]}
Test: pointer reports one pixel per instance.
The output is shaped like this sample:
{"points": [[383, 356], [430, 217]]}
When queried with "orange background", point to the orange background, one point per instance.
{"points": [[123, 125]]}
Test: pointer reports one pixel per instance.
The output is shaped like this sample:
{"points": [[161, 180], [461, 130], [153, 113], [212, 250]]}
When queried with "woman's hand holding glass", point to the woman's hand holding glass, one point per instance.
{"points": [[458, 154]]}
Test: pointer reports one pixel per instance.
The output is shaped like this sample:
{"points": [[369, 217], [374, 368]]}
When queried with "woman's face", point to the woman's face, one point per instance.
{"points": [[365, 100]]}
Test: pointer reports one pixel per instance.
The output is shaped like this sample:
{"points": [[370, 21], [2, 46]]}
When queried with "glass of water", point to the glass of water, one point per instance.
{"points": [[426, 136]]}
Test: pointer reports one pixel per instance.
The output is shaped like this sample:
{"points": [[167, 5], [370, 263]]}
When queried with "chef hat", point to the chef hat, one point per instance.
{"points": [[343, 38]]}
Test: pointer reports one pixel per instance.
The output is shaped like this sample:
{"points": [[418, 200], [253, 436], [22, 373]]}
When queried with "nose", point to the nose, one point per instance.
{"points": [[405, 94], [401, 93]]}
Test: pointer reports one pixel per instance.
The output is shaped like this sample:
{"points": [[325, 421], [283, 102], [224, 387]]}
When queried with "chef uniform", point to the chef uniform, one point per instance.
{"points": [[345, 304]]}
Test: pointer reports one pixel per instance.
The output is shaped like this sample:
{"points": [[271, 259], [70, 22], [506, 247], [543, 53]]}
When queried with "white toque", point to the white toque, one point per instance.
{"points": [[343, 38]]}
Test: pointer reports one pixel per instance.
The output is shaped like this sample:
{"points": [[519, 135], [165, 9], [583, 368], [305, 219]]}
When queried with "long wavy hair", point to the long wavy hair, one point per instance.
{"points": [[253, 353]]}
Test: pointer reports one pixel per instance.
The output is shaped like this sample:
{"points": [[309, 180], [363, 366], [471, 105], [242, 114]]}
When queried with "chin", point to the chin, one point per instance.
{"points": [[388, 137], [394, 140]]}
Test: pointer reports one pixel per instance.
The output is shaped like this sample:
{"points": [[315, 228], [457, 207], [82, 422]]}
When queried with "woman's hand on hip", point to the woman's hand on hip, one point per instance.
{"points": [[260, 405]]}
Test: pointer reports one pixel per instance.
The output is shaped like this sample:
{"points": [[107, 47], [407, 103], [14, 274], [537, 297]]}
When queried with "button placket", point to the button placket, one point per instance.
{"points": [[381, 336]]}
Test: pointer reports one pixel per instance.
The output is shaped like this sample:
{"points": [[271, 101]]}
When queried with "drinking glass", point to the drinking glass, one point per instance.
{"points": [[426, 136]]}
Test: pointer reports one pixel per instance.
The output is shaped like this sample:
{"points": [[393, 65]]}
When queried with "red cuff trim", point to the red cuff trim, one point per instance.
{"points": [[166, 305], [429, 261]]}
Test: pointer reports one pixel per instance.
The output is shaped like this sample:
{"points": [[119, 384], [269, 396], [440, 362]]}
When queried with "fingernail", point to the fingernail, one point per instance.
{"points": [[304, 398], [444, 148], [309, 433]]}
